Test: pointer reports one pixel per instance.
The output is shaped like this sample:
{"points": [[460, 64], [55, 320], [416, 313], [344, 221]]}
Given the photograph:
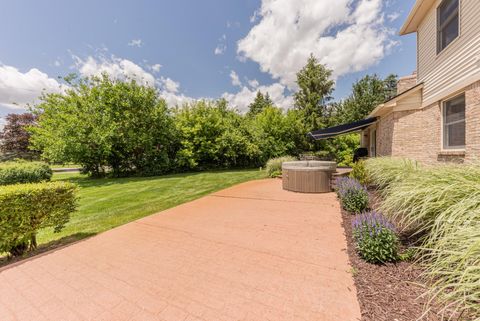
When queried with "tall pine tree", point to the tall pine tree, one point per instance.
{"points": [[259, 104], [315, 90]]}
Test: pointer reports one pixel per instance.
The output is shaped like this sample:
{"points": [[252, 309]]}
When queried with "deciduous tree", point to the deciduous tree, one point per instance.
{"points": [[15, 138]]}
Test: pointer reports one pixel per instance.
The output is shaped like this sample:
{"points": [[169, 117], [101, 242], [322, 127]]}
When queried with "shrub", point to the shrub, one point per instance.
{"points": [[359, 172], [274, 165], [375, 238], [382, 171], [352, 194], [106, 125], [24, 172], [26, 208]]}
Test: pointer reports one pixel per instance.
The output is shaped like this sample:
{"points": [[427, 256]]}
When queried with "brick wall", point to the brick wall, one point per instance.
{"points": [[407, 82], [472, 122], [385, 127], [416, 134]]}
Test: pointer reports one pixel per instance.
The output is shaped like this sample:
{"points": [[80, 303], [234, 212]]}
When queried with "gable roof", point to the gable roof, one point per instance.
{"points": [[418, 12]]}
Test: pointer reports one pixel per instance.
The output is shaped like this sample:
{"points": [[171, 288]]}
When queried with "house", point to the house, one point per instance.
{"points": [[436, 114]]}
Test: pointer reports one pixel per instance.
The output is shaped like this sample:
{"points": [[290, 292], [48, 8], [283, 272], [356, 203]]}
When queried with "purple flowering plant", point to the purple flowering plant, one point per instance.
{"points": [[376, 239], [352, 194]]}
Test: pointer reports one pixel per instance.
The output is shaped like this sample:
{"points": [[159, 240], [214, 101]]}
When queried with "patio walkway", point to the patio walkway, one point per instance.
{"points": [[250, 252]]}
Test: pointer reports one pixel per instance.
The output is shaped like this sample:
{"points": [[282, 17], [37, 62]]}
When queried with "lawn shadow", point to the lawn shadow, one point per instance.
{"points": [[7, 261]]}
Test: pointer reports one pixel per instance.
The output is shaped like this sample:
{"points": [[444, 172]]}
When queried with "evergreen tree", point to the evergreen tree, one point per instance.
{"points": [[315, 89], [259, 104]]}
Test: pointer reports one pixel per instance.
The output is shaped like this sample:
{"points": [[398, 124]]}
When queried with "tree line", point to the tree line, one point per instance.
{"points": [[124, 128]]}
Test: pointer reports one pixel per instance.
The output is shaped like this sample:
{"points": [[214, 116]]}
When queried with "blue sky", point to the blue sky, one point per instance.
{"points": [[198, 49]]}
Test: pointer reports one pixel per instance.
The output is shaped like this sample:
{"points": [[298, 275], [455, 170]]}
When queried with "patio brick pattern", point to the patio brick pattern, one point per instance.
{"points": [[250, 252]]}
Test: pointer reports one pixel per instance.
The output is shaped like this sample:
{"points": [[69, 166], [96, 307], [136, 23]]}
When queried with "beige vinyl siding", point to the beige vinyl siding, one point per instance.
{"points": [[459, 62], [413, 101]]}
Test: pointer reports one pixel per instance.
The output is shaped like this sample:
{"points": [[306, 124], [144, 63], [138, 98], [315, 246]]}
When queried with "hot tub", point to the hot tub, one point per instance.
{"points": [[308, 176]]}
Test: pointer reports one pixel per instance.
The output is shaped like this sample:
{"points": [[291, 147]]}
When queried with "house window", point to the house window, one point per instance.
{"points": [[373, 143], [448, 23], [454, 123]]}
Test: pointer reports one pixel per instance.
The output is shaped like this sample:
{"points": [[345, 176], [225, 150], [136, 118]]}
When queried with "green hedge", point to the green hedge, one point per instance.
{"points": [[24, 172], [26, 208]]}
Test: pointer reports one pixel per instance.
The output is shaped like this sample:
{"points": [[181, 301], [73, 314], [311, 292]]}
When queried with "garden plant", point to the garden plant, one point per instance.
{"points": [[274, 165], [441, 205], [353, 195], [375, 238]]}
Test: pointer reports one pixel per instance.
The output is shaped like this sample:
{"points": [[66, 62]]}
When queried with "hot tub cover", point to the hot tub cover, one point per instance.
{"points": [[342, 129]]}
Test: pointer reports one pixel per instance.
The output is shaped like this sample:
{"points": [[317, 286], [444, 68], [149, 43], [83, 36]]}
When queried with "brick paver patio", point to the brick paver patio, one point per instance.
{"points": [[250, 252]]}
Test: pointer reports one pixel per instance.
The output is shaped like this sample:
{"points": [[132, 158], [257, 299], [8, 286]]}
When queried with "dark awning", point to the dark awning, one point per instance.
{"points": [[342, 129]]}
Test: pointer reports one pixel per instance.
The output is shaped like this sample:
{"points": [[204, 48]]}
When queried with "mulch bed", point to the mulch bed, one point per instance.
{"points": [[390, 292]]}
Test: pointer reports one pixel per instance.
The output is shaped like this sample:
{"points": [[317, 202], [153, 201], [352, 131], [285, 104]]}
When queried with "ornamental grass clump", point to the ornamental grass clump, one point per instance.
{"points": [[375, 238], [353, 195], [383, 171], [442, 205], [274, 165]]}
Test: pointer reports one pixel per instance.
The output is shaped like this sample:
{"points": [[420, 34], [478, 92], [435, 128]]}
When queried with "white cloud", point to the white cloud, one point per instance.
{"points": [[136, 43], [57, 63], [254, 17], [116, 68], [245, 96], [155, 67], [169, 85], [393, 16], [347, 36], [18, 89], [220, 49], [174, 99], [235, 79], [122, 69], [253, 83], [222, 46]]}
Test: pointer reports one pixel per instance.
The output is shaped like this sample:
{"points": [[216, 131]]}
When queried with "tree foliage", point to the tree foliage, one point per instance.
{"points": [[125, 128], [211, 135], [277, 133], [15, 138], [367, 93], [315, 90], [106, 125], [260, 102]]}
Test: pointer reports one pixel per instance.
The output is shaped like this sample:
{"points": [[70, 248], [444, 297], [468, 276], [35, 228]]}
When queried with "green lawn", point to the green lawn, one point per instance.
{"points": [[106, 203]]}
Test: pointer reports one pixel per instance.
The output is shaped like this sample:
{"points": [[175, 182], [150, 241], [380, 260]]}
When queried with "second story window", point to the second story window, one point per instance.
{"points": [[448, 23]]}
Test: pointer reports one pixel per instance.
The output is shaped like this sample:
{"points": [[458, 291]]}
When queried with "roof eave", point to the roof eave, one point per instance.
{"points": [[418, 12], [393, 101]]}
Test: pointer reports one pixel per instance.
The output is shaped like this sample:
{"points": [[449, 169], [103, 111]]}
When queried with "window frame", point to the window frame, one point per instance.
{"points": [[445, 125], [441, 28]]}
